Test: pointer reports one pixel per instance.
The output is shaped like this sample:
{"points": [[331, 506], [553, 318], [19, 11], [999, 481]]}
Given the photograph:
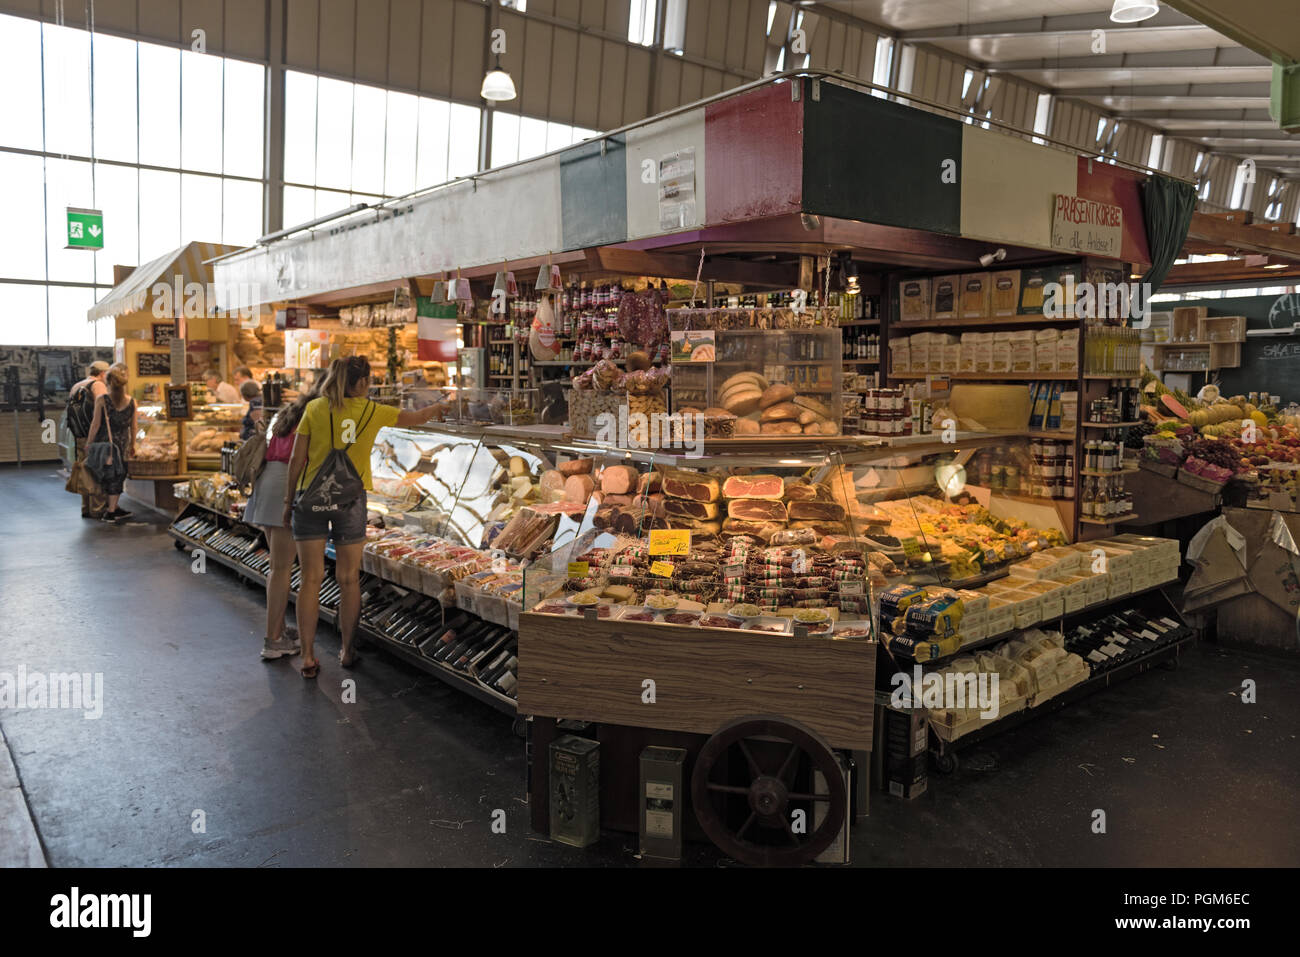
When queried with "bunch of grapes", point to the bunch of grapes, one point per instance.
{"points": [[1133, 440], [1216, 453]]}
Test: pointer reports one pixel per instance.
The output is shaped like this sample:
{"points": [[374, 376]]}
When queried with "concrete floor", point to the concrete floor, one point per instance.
{"points": [[285, 774]]}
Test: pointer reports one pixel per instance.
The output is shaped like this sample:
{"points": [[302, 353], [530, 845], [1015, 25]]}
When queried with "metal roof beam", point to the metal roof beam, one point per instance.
{"points": [[1166, 19], [1250, 90], [1192, 117], [1153, 59]]}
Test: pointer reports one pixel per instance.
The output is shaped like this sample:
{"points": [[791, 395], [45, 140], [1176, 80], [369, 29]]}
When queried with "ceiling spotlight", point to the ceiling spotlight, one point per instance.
{"points": [[497, 85], [1133, 11], [988, 259]]}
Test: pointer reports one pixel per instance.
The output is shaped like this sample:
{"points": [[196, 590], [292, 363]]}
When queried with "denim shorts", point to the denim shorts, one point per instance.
{"points": [[346, 527]]}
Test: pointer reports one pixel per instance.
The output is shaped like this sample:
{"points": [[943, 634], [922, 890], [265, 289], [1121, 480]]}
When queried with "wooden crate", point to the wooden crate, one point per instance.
{"points": [[1225, 355], [704, 677], [1222, 329], [1186, 324]]}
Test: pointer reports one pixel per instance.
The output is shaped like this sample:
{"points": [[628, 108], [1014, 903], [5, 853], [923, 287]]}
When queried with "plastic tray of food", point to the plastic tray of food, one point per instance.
{"points": [[775, 624]]}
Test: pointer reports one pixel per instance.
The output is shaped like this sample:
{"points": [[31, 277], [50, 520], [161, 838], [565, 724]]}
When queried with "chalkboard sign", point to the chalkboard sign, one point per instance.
{"points": [[1268, 363], [153, 364], [178, 403], [163, 333]]}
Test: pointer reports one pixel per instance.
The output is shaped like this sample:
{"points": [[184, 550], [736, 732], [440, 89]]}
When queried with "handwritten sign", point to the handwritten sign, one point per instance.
{"points": [[178, 403], [1280, 350], [662, 569], [153, 364], [163, 333], [578, 569], [1086, 226], [670, 541]]}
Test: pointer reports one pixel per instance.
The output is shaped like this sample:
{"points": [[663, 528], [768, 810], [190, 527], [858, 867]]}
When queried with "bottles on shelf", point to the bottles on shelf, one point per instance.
{"points": [[860, 344], [1103, 498], [1111, 350]]}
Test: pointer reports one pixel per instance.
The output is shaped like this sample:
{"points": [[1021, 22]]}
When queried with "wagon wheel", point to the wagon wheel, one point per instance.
{"points": [[752, 777]]}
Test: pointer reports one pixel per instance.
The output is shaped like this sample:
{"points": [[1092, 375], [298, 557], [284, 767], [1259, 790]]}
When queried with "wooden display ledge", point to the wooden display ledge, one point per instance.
{"points": [[155, 491], [704, 677], [1158, 497]]}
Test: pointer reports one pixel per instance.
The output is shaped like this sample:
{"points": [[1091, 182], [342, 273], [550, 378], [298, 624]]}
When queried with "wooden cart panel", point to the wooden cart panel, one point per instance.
{"points": [[594, 670]]}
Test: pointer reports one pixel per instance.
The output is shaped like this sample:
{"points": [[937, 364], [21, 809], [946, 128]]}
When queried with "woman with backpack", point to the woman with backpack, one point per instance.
{"points": [[114, 422], [264, 510], [79, 414], [325, 495]]}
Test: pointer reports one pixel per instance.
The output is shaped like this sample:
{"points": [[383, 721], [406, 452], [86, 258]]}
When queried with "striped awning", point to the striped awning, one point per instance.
{"points": [[135, 292]]}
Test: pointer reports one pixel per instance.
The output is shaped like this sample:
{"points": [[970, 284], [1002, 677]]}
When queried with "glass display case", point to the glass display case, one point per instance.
{"points": [[212, 427], [779, 372]]}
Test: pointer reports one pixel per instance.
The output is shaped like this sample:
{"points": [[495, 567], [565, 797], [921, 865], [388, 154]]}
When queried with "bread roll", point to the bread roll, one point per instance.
{"points": [[747, 427], [781, 428], [780, 392], [780, 411]]}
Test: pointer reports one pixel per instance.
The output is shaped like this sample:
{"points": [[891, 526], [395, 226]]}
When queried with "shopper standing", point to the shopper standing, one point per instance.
{"points": [[222, 392], [341, 419], [114, 422], [265, 510], [241, 375], [80, 413], [251, 394]]}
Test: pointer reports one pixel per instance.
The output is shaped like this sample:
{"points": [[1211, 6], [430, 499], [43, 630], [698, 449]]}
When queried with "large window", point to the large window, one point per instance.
{"points": [[85, 117], [347, 143]]}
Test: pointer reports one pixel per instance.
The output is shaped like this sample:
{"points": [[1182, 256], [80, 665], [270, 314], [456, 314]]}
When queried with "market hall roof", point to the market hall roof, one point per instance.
{"points": [[188, 264], [809, 143]]}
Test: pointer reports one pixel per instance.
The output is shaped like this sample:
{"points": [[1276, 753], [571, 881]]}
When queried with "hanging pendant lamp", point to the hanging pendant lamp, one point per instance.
{"points": [[497, 85], [1133, 11]]}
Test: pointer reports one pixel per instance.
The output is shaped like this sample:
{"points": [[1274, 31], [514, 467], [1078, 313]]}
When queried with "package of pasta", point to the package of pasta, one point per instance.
{"points": [[935, 617], [896, 600], [912, 648]]}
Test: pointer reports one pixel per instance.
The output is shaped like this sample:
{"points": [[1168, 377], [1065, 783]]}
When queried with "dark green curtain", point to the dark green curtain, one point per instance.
{"points": [[1168, 205]]}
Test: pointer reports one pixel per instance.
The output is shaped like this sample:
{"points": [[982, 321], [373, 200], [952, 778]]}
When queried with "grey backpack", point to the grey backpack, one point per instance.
{"points": [[336, 484]]}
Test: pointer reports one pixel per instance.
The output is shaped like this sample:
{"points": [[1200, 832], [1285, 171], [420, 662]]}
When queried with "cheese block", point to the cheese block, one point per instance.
{"points": [[692, 485], [578, 488], [816, 511], [689, 508], [757, 509], [782, 410], [618, 593], [753, 486], [780, 392], [518, 466], [763, 531], [781, 428]]}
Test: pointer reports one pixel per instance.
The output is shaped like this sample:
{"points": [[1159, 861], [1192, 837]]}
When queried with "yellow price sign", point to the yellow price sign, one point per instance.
{"points": [[670, 541], [662, 569], [579, 569]]}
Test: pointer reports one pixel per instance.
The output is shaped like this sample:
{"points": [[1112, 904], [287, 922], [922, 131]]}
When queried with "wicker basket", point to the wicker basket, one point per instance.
{"points": [[137, 468]]}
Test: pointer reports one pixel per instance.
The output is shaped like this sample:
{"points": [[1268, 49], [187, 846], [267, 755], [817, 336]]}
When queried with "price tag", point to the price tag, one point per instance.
{"points": [[620, 571], [850, 588], [733, 571], [662, 569], [579, 569], [911, 547], [670, 541]]}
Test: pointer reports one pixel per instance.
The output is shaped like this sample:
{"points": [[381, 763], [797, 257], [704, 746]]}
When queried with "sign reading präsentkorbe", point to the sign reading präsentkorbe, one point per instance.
{"points": [[1086, 226]]}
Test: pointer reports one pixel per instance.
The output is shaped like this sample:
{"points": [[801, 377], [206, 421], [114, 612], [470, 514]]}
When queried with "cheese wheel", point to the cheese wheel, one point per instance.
{"points": [[780, 392], [578, 488], [551, 484]]}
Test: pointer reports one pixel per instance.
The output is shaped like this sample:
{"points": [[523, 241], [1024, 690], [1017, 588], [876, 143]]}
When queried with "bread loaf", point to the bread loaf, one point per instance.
{"points": [[779, 411], [780, 392], [753, 486], [757, 509], [781, 428], [750, 378], [746, 427], [813, 405], [742, 401]]}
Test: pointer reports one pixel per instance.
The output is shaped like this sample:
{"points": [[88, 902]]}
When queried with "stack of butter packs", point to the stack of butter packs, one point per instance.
{"points": [[922, 623]]}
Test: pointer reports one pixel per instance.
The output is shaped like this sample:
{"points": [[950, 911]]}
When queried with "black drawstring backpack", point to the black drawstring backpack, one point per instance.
{"points": [[336, 484]]}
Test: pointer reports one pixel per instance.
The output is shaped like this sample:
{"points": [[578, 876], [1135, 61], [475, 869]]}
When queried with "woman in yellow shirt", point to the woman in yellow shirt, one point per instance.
{"points": [[341, 418]]}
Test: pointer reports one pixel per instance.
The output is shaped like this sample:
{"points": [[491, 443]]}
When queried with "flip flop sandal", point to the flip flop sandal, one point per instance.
{"points": [[311, 671]]}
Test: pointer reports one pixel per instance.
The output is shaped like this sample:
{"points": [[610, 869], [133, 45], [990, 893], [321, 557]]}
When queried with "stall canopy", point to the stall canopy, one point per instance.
{"points": [[184, 266]]}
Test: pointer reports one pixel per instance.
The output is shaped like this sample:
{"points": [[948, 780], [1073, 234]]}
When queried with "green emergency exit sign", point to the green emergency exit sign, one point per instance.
{"points": [[85, 228]]}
